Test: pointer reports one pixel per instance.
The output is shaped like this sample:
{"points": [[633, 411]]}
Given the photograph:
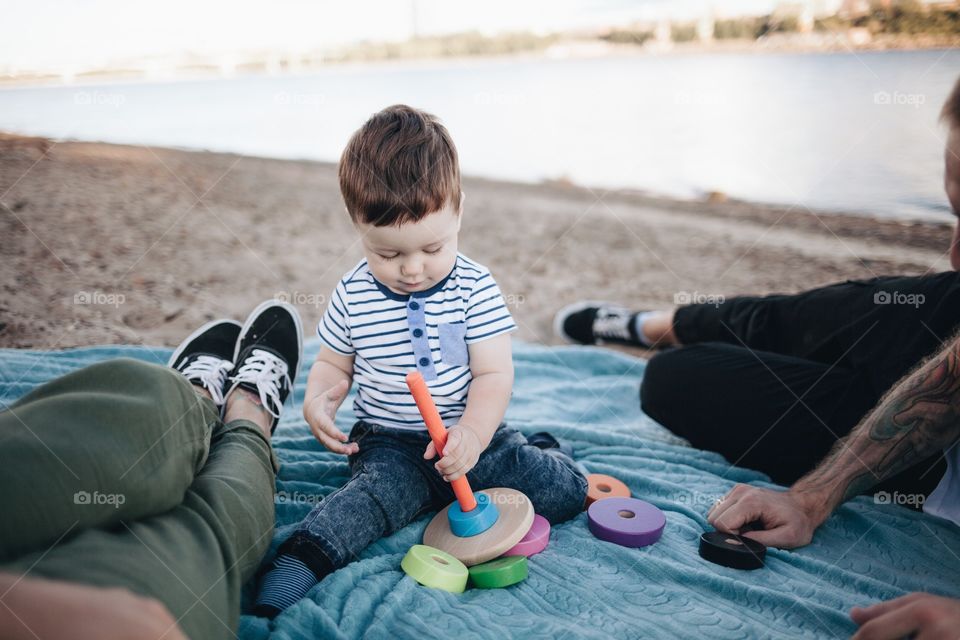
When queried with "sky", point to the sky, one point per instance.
{"points": [[64, 34]]}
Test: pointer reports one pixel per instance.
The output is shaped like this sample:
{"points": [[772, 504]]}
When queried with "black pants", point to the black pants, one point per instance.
{"points": [[771, 383]]}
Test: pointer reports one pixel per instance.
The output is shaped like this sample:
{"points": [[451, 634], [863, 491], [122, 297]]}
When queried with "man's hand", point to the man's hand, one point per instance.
{"points": [[917, 615], [460, 454], [788, 519], [918, 417], [320, 410]]}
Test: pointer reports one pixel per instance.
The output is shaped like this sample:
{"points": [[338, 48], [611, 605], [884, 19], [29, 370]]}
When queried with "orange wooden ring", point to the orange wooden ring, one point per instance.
{"points": [[600, 486]]}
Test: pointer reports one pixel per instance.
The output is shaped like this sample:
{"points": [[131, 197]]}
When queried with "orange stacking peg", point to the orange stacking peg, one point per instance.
{"points": [[438, 433]]}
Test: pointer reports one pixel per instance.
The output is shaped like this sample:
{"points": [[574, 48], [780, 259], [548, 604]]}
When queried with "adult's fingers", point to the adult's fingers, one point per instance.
{"points": [[782, 537], [730, 517], [862, 615], [726, 501], [937, 630], [719, 507], [897, 623]]}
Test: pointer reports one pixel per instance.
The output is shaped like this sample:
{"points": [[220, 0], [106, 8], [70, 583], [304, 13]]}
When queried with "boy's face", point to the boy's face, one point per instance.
{"points": [[952, 185], [415, 255]]}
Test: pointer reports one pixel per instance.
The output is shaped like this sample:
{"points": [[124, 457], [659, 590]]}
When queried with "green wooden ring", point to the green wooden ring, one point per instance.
{"points": [[435, 569], [499, 573]]}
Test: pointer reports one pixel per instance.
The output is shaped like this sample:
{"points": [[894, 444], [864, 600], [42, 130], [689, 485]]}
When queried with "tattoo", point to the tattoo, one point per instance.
{"points": [[917, 418]]}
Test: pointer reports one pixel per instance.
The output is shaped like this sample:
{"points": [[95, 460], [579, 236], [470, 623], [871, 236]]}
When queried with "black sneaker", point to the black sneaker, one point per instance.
{"points": [[205, 358], [268, 354], [596, 323]]}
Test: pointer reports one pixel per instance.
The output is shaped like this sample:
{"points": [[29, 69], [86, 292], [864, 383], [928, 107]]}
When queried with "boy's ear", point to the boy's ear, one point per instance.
{"points": [[460, 211]]}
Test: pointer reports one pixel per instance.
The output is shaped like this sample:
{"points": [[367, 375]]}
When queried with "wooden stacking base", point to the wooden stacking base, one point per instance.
{"points": [[515, 516]]}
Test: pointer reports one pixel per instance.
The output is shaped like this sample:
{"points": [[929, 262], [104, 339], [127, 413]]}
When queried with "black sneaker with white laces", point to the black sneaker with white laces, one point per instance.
{"points": [[205, 358], [268, 355], [597, 323]]}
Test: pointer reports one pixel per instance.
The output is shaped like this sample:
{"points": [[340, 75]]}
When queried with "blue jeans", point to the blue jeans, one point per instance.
{"points": [[392, 485]]}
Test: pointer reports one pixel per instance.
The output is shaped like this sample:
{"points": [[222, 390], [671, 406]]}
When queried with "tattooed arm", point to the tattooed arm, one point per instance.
{"points": [[917, 418]]}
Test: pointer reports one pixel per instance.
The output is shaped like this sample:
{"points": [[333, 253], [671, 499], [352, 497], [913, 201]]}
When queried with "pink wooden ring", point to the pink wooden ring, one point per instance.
{"points": [[534, 541]]}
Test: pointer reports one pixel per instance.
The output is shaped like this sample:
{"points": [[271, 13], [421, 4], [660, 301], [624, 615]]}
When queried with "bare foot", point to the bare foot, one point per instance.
{"points": [[658, 328], [245, 405]]}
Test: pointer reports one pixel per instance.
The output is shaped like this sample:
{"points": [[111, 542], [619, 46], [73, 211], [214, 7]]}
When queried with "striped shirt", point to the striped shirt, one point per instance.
{"points": [[392, 334]]}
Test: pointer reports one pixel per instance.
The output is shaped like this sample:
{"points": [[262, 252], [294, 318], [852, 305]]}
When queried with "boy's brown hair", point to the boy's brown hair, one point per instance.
{"points": [[398, 167], [951, 108]]}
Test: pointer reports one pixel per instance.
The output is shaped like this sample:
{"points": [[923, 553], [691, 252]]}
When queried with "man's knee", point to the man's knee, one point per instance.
{"points": [[133, 377], [117, 376], [665, 387], [132, 369]]}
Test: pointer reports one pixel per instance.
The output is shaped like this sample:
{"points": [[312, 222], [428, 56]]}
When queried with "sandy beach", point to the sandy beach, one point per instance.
{"points": [[106, 243]]}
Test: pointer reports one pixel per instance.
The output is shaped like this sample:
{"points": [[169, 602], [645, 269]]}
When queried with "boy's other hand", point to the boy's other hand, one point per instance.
{"points": [[320, 411], [460, 454]]}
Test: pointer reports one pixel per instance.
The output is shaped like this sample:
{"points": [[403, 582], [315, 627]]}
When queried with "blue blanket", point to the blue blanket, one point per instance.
{"points": [[580, 586]]}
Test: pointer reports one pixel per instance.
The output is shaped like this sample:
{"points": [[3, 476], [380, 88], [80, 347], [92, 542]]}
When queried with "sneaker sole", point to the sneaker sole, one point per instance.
{"points": [[196, 334], [569, 310]]}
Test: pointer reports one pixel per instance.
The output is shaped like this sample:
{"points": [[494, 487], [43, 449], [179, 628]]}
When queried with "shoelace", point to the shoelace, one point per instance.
{"points": [[212, 372], [612, 323], [266, 371]]}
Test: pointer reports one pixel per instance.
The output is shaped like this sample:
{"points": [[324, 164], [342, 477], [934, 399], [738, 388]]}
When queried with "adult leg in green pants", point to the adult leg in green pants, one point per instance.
{"points": [[111, 443], [126, 477]]}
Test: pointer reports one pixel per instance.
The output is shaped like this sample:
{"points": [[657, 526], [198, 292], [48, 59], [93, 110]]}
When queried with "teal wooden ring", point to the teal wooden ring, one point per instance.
{"points": [[470, 523]]}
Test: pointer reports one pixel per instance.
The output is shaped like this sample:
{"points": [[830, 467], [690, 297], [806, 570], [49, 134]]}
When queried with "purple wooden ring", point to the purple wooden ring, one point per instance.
{"points": [[626, 521], [534, 541]]}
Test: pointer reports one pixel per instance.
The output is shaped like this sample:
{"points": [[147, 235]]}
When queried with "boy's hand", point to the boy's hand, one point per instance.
{"points": [[320, 411], [460, 454]]}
